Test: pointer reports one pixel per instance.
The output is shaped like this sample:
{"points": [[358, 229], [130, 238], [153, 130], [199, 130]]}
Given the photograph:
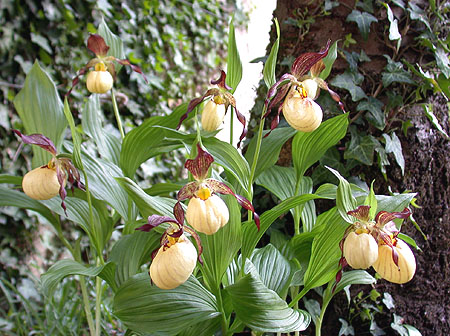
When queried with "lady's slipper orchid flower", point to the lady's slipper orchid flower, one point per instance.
{"points": [[101, 79], [297, 91], [207, 212], [174, 261], [219, 99], [366, 241], [47, 181]]}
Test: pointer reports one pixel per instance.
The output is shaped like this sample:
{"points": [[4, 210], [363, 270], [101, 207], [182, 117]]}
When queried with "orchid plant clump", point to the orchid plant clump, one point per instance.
{"points": [[240, 278]]}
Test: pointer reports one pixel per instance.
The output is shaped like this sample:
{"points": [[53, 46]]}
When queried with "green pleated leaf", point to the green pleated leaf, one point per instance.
{"points": [[112, 40], [41, 111], [345, 201], [9, 197], [145, 308], [102, 176], [308, 148], [99, 230], [76, 139], [132, 251], [220, 248], [92, 122], [271, 62], [270, 146], [163, 189], [234, 64], [281, 182], [251, 234], [138, 144], [147, 205], [66, 267], [205, 328], [261, 309], [301, 244], [10, 179], [325, 251], [230, 159], [329, 60], [273, 268]]}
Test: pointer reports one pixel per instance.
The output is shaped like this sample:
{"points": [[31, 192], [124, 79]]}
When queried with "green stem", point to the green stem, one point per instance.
{"points": [[231, 126], [298, 297], [320, 318], [256, 156], [98, 296], [116, 113], [87, 308], [224, 321]]}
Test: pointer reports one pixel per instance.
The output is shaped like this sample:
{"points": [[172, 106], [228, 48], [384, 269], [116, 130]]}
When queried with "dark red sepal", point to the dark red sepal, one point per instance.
{"points": [[275, 121], [97, 45], [274, 96], [135, 68], [384, 217], [193, 104], [361, 213], [178, 212], [199, 166], [221, 81], [38, 140], [304, 62], [188, 191], [155, 220], [222, 188], [62, 191], [197, 240]]}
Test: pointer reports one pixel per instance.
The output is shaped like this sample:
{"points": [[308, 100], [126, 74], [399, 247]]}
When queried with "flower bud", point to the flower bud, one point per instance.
{"points": [[173, 264], [303, 114], [207, 215], [100, 80], [311, 88], [41, 183], [212, 115], [360, 250], [386, 267]]}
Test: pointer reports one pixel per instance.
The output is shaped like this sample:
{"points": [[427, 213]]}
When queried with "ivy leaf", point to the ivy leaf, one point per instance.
{"points": [[429, 112], [360, 148], [376, 115], [393, 27], [363, 20], [442, 61], [350, 81], [395, 73], [394, 146]]}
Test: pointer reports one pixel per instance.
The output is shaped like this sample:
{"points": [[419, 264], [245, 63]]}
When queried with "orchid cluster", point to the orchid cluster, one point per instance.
{"points": [[174, 261], [375, 243], [47, 181]]}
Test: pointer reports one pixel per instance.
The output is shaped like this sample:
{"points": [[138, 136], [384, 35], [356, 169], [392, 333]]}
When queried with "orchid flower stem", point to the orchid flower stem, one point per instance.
{"points": [[231, 126], [87, 308], [256, 154], [320, 319], [116, 113], [98, 297], [197, 125], [298, 297], [224, 321]]}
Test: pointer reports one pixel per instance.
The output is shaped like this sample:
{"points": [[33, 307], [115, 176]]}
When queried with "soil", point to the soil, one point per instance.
{"points": [[424, 301]]}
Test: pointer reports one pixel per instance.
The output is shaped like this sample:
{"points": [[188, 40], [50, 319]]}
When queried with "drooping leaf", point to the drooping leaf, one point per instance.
{"points": [[307, 148], [363, 20], [9, 197], [41, 111], [350, 81], [270, 146], [132, 251], [66, 267], [234, 68], [428, 108], [260, 308], [145, 308], [269, 66], [147, 205]]}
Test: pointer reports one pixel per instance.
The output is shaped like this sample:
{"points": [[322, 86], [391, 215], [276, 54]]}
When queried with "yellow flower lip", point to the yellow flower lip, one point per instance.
{"points": [[203, 193], [100, 66]]}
